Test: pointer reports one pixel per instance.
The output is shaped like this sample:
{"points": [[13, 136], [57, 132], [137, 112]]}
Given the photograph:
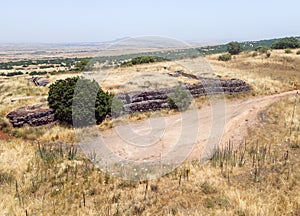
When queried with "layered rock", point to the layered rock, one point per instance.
{"points": [[134, 101], [31, 115], [39, 81], [157, 99]]}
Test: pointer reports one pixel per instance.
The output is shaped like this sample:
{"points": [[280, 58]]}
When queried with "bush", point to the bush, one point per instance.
{"points": [[268, 54], [180, 99], [254, 54], [46, 66], [234, 48], [261, 49], [143, 60], [34, 73], [225, 57], [83, 64], [284, 43], [17, 73], [288, 51], [79, 100], [298, 52]]}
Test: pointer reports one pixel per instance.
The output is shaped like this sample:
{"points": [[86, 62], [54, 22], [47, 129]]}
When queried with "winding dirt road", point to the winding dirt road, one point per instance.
{"points": [[193, 134]]}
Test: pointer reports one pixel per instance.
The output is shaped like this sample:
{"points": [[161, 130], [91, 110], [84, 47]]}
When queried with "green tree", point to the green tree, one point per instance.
{"points": [[262, 49], [285, 43], [83, 64], [234, 48], [143, 60], [78, 100]]}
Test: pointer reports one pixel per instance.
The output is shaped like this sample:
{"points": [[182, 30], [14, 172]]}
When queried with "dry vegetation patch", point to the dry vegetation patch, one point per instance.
{"points": [[258, 178], [261, 177], [275, 74]]}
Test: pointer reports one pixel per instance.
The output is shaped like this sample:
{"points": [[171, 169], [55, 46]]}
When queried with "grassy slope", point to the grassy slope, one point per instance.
{"points": [[257, 179], [261, 178]]}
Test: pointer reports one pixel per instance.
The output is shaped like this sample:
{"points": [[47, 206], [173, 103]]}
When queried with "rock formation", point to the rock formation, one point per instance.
{"points": [[31, 115], [157, 99], [135, 101]]}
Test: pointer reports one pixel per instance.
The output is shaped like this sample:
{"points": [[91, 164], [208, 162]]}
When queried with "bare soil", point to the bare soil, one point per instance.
{"points": [[4, 136], [185, 134]]}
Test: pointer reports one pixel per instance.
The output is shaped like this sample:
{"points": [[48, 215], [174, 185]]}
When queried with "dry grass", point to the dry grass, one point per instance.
{"points": [[261, 178], [140, 77], [279, 73]]}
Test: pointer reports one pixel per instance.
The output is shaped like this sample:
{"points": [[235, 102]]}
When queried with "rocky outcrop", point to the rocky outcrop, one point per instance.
{"points": [[31, 115], [39, 81], [134, 101], [156, 100]]}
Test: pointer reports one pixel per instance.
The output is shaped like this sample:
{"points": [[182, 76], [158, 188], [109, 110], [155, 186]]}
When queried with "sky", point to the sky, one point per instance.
{"points": [[68, 21]]}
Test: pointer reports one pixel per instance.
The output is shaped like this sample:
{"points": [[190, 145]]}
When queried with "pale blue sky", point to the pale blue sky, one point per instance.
{"points": [[59, 21]]}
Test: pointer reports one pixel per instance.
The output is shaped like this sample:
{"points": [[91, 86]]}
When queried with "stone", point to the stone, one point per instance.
{"points": [[140, 101], [144, 101], [32, 116]]}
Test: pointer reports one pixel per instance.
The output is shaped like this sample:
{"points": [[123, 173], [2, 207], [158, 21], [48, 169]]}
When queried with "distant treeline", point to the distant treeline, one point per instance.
{"points": [[143, 60], [80, 64], [64, 62], [16, 73]]}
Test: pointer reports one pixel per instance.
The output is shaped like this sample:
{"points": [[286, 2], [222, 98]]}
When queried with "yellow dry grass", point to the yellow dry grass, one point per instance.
{"points": [[266, 182], [280, 72], [75, 187]]}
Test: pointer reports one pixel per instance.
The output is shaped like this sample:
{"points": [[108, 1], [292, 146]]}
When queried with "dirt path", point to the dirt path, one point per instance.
{"points": [[192, 134]]}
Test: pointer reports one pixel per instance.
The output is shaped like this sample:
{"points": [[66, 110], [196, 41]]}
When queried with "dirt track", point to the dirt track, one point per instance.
{"points": [[193, 134]]}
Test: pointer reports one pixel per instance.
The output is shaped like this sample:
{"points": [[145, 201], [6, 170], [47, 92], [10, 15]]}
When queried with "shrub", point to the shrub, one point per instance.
{"points": [[79, 100], [127, 64], [83, 64], [34, 73], [298, 52], [11, 74], [254, 54], [288, 51], [46, 66], [143, 60], [179, 99], [225, 57], [234, 48], [261, 49], [284, 43]]}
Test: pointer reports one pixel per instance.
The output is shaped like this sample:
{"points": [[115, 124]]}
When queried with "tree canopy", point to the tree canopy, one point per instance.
{"points": [[235, 48], [285, 43], [79, 100]]}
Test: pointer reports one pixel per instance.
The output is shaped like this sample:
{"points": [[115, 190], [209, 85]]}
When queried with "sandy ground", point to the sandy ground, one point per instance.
{"points": [[193, 134]]}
